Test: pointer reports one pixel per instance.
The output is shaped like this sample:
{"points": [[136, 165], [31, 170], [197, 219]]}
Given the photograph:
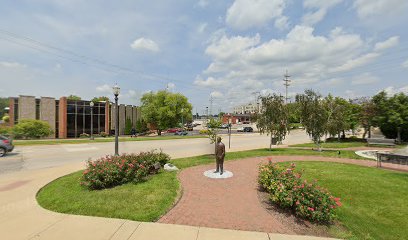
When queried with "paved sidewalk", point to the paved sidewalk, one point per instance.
{"points": [[233, 203], [22, 218]]}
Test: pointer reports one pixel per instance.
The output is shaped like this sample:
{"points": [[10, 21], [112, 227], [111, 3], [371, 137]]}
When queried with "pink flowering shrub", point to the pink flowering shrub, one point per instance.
{"points": [[110, 171], [287, 189]]}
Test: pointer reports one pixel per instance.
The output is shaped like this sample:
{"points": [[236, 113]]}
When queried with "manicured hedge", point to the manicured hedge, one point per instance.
{"points": [[287, 189], [110, 171]]}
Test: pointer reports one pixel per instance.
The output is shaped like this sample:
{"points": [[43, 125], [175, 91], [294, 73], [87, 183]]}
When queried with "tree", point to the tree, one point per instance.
{"points": [[141, 126], [353, 115], [294, 114], [273, 118], [164, 109], [73, 98], [337, 114], [392, 115], [313, 115], [30, 128], [367, 114], [4, 102], [128, 126], [212, 131], [100, 99]]}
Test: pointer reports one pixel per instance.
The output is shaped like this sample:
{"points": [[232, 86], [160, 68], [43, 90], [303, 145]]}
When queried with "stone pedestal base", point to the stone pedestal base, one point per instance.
{"points": [[211, 174]]}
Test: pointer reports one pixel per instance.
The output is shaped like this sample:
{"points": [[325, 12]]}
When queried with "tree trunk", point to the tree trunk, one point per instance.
{"points": [[398, 134], [365, 133], [338, 136], [369, 131], [270, 144], [159, 132], [344, 134]]}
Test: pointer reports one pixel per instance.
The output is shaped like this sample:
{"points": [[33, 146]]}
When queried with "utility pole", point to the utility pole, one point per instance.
{"points": [[211, 103], [286, 83]]}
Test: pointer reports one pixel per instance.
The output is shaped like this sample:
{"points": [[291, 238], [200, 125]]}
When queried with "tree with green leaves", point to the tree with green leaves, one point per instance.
{"points": [[100, 99], [32, 129], [313, 115], [141, 126], [368, 112], [213, 126], [273, 118], [392, 115], [73, 97], [164, 109], [337, 114], [4, 102], [128, 126]]}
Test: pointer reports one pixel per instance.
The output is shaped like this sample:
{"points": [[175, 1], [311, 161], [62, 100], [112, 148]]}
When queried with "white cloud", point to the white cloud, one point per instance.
{"points": [[171, 86], [282, 23], [216, 94], [391, 90], [243, 64], [203, 3], [389, 43], [202, 27], [11, 64], [104, 88], [145, 44], [321, 6], [364, 79], [369, 8], [245, 14], [405, 64]]}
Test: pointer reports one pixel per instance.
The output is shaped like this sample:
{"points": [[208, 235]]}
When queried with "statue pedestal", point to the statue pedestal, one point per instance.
{"points": [[211, 174]]}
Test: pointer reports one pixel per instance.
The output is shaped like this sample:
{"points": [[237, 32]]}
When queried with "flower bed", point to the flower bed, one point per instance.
{"points": [[110, 171], [288, 190]]}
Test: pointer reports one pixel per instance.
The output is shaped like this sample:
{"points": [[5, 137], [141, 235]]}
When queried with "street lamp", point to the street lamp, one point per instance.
{"points": [[116, 91], [91, 104]]}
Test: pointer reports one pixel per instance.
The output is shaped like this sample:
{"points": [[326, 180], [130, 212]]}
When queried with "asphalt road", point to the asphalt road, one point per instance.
{"points": [[46, 156]]}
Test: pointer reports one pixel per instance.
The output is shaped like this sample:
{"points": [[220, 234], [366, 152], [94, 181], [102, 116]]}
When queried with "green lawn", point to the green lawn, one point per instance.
{"points": [[145, 201], [374, 200], [333, 145], [206, 159], [98, 140]]}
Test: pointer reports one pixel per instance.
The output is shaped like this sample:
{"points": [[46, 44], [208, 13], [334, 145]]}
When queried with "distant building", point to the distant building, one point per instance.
{"points": [[70, 118], [250, 108]]}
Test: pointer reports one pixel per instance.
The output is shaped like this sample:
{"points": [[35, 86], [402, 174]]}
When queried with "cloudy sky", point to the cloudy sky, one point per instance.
{"points": [[229, 49]]}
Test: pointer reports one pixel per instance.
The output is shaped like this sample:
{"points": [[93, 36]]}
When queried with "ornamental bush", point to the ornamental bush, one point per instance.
{"points": [[111, 171], [287, 189], [32, 129]]}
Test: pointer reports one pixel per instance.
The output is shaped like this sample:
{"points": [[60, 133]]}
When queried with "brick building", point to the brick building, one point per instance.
{"points": [[70, 118]]}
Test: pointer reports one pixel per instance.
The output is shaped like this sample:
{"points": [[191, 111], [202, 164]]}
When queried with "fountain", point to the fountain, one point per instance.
{"points": [[399, 156]]}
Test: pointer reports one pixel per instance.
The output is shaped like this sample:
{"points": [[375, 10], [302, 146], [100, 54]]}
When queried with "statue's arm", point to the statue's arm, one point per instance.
{"points": [[223, 151]]}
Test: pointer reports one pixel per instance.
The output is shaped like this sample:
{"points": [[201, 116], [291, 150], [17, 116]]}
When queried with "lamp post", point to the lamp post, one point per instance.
{"points": [[229, 130], [116, 91], [91, 104]]}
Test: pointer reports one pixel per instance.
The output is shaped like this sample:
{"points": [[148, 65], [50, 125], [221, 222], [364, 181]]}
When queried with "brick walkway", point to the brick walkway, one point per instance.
{"points": [[233, 203]]}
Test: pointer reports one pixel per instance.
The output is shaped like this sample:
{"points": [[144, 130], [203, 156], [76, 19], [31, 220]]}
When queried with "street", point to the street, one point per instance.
{"points": [[46, 156]]}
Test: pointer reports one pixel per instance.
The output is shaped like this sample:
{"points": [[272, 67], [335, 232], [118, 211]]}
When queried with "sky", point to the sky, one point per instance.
{"points": [[229, 51]]}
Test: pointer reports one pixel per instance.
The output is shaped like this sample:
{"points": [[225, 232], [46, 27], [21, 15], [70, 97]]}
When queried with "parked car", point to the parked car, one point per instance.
{"points": [[248, 129], [6, 145], [181, 133], [225, 125], [173, 130], [240, 129]]}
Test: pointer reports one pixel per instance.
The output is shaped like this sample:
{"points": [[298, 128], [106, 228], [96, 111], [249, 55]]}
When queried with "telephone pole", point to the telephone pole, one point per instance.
{"points": [[286, 83], [211, 103]]}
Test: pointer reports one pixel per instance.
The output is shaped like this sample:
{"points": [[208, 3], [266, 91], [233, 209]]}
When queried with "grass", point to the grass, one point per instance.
{"points": [[145, 201], [333, 145], [374, 200], [98, 140], [206, 159]]}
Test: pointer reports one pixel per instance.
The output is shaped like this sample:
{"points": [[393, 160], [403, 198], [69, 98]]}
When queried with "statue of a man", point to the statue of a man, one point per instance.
{"points": [[219, 156]]}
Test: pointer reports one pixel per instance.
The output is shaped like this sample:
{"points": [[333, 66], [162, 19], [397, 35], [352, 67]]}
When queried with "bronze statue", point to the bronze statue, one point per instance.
{"points": [[219, 156]]}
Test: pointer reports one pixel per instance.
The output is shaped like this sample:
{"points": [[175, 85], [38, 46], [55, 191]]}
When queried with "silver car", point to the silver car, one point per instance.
{"points": [[6, 145]]}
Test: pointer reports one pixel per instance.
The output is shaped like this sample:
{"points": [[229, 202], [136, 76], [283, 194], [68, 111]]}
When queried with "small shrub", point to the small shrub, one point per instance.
{"points": [[103, 134], [128, 126], [5, 130], [84, 135], [203, 131], [112, 171], [30, 128], [287, 189], [6, 119]]}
